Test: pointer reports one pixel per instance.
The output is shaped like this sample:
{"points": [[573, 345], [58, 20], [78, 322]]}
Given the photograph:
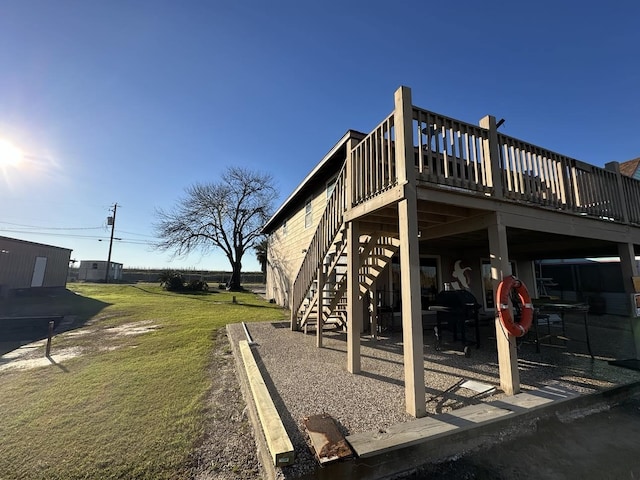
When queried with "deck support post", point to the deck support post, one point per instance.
{"points": [[373, 301], [506, 343], [354, 302], [321, 315], [414, 386]]}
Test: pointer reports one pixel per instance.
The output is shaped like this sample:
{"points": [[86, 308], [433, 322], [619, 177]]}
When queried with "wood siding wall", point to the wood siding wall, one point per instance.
{"points": [[286, 251]]}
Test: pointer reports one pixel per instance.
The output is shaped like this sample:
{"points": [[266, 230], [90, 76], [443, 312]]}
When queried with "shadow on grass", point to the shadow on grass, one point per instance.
{"points": [[25, 318], [59, 365]]}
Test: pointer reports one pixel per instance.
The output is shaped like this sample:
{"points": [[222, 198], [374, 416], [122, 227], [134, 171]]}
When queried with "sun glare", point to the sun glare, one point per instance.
{"points": [[9, 154]]}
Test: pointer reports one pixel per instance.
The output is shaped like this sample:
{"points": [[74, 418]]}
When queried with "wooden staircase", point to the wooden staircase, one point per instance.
{"points": [[375, 254], [372, 172]]}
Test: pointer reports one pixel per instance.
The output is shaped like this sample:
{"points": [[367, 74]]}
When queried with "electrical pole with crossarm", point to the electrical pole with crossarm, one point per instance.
{"points": [[112, 221]]}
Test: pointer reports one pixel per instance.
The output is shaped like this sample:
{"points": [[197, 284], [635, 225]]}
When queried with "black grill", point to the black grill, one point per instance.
{"points": [[455, 309]]}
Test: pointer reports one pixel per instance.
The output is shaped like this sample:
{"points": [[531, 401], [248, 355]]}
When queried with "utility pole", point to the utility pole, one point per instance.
{"points": [[111, 220]]}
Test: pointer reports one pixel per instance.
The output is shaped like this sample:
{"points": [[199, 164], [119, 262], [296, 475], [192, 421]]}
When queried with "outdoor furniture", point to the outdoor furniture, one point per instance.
{"points": [[455, 309], [544, 314]]}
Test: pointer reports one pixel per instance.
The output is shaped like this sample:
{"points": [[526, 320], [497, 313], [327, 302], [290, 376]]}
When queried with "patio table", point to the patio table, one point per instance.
{"points": [[560, 309]]}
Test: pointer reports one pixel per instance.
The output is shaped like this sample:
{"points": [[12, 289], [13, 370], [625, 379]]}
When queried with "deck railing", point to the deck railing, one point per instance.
{"points": [[546, 178], [373, 166], [533, 174], [451, 152], [596, 192], [631, 192]]}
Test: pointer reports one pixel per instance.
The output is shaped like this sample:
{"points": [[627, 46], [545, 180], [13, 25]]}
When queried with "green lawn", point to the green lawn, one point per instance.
{"points": [[130, 406]]}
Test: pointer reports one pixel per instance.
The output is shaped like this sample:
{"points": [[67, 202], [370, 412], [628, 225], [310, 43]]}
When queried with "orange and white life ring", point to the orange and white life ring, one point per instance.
{"points": [[517, 329]]}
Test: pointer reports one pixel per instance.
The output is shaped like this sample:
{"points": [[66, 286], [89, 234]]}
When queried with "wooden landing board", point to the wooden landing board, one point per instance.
{"points": [[402, 435], [528, 401], [328, 443], [278, 441], [417, 431]]}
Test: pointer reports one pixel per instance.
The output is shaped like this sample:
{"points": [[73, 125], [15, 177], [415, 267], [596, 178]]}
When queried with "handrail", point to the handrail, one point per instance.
{"points": [[373, 166], [372, 171], [328, 228]]}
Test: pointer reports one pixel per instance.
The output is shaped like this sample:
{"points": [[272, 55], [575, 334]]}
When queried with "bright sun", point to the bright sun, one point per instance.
{"points": [[9, 154]]}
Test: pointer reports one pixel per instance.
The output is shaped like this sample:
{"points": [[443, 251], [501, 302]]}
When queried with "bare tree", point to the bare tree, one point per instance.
{"points": [[228, 215]]}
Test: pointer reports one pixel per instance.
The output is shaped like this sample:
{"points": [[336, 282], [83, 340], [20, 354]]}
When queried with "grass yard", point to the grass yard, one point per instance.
{"points": [[131, 403]]}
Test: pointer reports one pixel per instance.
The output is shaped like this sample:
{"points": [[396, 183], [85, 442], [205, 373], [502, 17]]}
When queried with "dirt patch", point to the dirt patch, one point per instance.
{"points": [[137, 328], [228, 450], [32, 355]]}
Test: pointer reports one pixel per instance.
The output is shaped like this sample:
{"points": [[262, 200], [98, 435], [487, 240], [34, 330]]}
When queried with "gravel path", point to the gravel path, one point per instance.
{"points": [[305, 380], [228, 451]]}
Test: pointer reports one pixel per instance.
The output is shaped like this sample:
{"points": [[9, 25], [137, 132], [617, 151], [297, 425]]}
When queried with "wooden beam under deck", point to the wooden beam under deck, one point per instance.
{"points": [[527, 217]]}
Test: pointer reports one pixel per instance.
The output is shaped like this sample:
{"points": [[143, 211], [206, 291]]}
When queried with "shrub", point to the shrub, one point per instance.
{"points": [[197, 286], [175, 283]]}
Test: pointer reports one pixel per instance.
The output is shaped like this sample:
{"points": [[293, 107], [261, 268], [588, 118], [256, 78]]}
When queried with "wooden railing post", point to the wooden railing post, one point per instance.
{"points": [[615, 168], [415, 400], [349, 175], [492, 150], [321, 300], [403, 122]]}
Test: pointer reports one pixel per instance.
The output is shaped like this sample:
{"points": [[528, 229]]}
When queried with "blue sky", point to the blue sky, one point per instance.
{"points": [[132, 101]]}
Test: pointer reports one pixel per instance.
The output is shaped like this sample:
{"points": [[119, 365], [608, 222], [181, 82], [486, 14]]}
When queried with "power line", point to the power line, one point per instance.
{"points": [[68, 235], [133, 241], [138, 234], [52, 228]]}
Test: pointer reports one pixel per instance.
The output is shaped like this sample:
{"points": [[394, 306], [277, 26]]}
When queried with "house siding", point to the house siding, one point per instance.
{"points": [[287, 251]]}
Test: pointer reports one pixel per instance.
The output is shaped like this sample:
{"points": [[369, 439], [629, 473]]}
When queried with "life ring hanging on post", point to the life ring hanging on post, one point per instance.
{"points": [[517, 329]]}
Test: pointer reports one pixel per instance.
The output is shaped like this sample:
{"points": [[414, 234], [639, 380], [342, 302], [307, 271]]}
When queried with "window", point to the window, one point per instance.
{"points": [[94, 266], [331, 184], [429, 278], [487, 285], [308, 214]]}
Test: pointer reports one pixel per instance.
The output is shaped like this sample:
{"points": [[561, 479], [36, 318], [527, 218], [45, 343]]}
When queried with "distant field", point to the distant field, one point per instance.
{"points": [[151, 275], [129, 401]]}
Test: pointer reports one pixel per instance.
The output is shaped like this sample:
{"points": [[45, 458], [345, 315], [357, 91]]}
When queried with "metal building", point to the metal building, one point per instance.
{"points": [[32, 265], [96, 271]]}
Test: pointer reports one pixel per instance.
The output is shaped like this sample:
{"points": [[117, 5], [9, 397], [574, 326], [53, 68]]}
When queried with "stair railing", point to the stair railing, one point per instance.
{"points": [[328, 228]]}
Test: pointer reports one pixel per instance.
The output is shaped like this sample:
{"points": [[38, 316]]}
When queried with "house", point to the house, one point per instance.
{"points": [[631, 168], [31, 265], [96, 271], [389, 217]]}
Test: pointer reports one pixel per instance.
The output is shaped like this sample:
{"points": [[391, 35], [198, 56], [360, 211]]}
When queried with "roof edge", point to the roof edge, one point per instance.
{"points": [[267, 228]]}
